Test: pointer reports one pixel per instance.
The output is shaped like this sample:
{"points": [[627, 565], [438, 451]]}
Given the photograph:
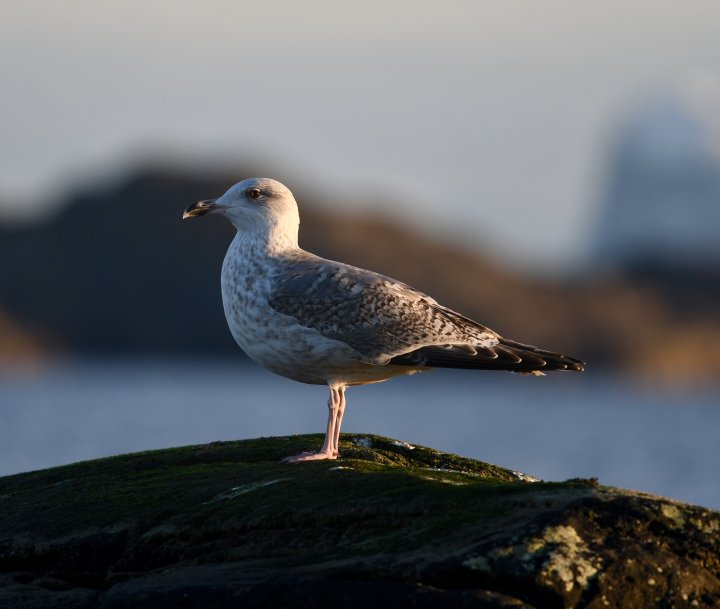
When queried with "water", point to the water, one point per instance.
{"points": [[557, 427]]}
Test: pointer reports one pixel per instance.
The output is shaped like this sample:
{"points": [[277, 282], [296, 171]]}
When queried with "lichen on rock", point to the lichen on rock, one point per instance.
{"points": [[567, 557]]}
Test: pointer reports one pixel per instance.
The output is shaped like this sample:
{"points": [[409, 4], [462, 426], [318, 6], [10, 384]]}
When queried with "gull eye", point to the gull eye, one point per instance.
{"points": [[254, 193]]}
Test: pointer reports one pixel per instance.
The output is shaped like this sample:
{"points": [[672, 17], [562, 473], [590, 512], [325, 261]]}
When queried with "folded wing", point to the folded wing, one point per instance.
{"points": [[389, 322]]}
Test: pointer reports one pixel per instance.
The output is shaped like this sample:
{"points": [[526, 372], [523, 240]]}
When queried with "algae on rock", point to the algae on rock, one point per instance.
{"points": [[226, 523]]}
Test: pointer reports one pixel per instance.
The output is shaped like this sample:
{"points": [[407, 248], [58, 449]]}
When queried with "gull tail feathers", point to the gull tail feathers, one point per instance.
{"points": [[506, 355]]}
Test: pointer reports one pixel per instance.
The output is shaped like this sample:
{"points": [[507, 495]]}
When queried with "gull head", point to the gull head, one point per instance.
{"points": [[257, 205]]}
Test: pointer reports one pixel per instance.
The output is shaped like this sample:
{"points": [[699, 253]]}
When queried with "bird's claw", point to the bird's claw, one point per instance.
{"points": [[311, 456]]}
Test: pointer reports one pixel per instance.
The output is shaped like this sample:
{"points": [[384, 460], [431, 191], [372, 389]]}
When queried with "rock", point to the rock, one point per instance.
{"points": [[227, 525]]}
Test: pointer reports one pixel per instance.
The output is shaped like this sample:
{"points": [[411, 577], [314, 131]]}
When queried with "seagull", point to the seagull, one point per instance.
{"points": [[327, 323]]}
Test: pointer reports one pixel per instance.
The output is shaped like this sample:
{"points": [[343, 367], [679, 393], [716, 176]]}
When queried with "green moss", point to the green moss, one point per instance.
{"points": [[143, 488]]}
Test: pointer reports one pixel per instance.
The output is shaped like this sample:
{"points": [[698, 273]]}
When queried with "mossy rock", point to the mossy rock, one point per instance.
{"points": [[227, 525]]}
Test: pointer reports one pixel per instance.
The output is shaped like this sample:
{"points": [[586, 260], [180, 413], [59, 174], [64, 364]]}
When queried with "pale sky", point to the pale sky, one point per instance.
{"points": [[484, 120]]}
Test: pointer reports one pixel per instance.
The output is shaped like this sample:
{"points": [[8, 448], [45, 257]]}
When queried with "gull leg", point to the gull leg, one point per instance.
{"points": [[327, 451], [341, 411]]}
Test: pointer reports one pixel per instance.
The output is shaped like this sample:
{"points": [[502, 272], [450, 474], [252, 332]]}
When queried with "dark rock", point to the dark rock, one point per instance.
{"points": [[228, 525]]}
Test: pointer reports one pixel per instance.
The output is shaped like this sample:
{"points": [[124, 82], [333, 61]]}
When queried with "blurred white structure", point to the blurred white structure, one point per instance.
{"points": [[661, 206]]}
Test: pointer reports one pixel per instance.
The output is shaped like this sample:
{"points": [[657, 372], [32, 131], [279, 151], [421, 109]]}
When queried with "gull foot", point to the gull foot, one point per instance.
{"points": [[309, 456]]}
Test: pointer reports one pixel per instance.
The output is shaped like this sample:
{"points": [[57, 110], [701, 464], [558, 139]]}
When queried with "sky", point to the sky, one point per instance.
{"points": [[487, 122]]}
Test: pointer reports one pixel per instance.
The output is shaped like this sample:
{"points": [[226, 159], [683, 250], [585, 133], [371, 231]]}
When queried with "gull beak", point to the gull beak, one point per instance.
{"points": [[200, 208]]}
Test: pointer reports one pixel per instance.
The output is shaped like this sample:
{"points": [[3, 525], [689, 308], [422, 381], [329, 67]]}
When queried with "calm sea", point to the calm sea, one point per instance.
{"points": [[646, 437]]}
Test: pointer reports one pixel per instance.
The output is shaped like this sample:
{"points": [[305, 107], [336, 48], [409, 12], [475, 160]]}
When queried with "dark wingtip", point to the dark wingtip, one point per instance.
{"points": [[507, 355]]}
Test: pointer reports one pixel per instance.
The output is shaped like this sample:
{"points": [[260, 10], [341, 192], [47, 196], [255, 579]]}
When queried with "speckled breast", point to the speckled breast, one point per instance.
{"points": [[278, 341]]}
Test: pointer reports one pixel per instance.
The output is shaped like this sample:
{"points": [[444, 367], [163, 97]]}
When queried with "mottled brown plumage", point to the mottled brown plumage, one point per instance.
{"points": [[379, 317]]}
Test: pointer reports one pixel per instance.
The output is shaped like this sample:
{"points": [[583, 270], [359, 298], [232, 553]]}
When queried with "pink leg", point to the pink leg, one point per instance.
{"points": [[338, 422], [329, 449]]}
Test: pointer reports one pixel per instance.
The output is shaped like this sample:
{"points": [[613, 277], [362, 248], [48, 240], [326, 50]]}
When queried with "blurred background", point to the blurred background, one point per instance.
{"points": [[551, 169]]}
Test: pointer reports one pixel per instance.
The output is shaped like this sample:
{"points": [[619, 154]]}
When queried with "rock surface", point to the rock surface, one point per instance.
{"points": [[228, 525]]}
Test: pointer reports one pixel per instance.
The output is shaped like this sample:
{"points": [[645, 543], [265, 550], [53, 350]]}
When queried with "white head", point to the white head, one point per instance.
{"points": [[259, 206]]}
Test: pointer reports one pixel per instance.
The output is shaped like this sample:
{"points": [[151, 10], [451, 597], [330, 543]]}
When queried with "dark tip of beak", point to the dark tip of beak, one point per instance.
{"points": [[199, 208]]}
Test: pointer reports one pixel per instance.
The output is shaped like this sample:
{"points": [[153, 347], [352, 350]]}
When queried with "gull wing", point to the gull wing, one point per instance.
{"points": [[379, 317], [389, 322]]}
